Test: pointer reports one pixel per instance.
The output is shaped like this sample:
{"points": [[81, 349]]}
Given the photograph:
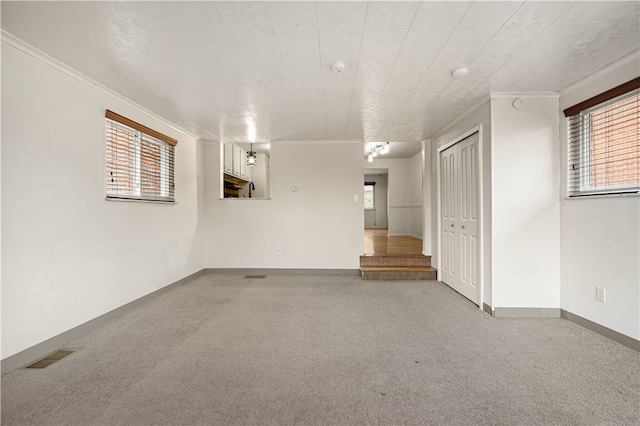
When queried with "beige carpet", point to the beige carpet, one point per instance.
{"points": [[305, 350]]}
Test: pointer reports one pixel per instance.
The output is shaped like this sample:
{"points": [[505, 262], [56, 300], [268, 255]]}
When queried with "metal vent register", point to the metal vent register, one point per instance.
{"points": [[50, 359]]}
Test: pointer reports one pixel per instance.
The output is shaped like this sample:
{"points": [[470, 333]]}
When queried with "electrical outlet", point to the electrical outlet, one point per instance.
{"points": [[278, 251], [601, 294], [171, 263]]}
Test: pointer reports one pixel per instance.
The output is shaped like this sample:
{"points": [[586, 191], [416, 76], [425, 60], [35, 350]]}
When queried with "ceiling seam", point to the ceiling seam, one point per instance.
{"points": [[209, 97], [284, 67], [355, 77], [434, 59], [373, 113], [437, 97], [532, 40], [221, 129], [255, 80], [324, 114]]}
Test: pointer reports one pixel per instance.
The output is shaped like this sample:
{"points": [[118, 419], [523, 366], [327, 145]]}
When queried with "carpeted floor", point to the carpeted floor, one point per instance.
{"points": [[304, 350]]}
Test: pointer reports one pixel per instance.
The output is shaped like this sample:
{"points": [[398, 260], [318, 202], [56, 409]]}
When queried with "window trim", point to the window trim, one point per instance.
{"points": [[166, 159], [373, 184], [139, 127], [603, 97], [582, 113]]}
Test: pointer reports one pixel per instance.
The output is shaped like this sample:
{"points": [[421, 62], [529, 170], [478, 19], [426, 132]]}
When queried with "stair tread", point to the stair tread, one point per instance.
{"points": [[398, 268], [393, 255]]}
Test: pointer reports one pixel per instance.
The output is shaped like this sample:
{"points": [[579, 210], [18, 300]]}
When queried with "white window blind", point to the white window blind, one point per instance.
{"points": [[139, 166], [604, 145]]}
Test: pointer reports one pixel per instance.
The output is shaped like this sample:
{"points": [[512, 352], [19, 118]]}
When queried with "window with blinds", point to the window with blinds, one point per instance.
{"points": [[139, 161], [369, 193], [604, 143]]}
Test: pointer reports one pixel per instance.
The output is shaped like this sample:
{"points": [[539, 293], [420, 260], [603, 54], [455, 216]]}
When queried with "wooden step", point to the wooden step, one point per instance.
{"points": [[390, 260], [398, 273]]}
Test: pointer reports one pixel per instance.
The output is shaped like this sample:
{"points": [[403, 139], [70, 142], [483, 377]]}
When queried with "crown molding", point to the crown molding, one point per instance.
{"points": [[524, 95], [486, 98], [39, 55], [323, 141], [629, 60]]}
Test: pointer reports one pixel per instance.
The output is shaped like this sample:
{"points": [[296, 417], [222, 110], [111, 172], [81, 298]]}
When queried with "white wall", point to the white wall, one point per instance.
{"points": [[427, 218], [479, 116], [68, 255], [377, 218], [601, 235], [260, 176], [319, 226], [416, 213], [520, 199], [525, 203], [405, 194]]}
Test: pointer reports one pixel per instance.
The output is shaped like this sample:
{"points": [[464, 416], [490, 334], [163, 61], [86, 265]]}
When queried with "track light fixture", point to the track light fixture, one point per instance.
{"points": [[383, 148]]}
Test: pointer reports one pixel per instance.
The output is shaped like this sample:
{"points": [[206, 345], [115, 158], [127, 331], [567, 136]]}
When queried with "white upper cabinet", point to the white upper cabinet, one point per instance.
{"points": [[228, 159], [235, 162]]}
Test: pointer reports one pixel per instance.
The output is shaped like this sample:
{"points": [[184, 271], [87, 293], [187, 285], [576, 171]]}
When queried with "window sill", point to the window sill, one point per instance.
{"points": [[609, 195], [245, 199], [134, 200]]}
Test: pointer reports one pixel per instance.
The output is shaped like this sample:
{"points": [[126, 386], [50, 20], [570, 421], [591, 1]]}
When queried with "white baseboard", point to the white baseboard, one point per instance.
{"points": [[43, 349], [623, 339], [282, 271], [526, 312]]}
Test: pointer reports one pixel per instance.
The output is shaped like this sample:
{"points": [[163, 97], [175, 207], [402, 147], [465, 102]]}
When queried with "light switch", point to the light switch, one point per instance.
{"points": [[355, 198]]}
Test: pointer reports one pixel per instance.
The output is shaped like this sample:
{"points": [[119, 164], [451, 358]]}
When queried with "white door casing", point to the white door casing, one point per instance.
{"points": [[460, 211]]}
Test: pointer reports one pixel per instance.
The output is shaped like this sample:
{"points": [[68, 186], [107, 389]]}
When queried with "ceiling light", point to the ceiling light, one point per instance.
{"points": [[251, 157], [459, 72], [337, 67], [381, 148]]}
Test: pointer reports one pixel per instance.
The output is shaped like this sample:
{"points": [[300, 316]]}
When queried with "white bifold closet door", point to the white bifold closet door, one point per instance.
{"points": [[460, 245]]}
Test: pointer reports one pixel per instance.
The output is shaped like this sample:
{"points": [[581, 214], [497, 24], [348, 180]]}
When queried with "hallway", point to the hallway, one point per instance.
{"points": [[377, 241]]}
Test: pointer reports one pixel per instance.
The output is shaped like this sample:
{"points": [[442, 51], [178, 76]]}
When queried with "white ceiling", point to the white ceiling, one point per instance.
{"points": [[242, 71]]}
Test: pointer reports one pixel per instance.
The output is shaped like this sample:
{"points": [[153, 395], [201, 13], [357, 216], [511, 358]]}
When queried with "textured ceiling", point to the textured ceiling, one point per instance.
{"points": [[242, 71]]}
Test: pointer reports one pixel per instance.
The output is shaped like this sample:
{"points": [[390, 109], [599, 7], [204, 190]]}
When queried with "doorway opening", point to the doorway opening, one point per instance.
{"points": [[378, 242], [376, 194], [393, 246]]}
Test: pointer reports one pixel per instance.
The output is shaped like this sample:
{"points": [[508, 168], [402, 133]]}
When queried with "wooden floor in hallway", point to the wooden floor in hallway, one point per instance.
{"points": [[377, 241]]}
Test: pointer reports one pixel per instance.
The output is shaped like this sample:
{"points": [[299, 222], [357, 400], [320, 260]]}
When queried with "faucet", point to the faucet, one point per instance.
{"points": [[251, 187]]}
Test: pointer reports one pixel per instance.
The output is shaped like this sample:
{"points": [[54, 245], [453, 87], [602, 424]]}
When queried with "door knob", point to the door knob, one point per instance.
{"points": [[452, 225], [462, 226]]}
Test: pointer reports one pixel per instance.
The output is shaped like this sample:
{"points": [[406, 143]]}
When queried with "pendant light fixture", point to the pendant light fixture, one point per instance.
{"points": [[251, 157]]}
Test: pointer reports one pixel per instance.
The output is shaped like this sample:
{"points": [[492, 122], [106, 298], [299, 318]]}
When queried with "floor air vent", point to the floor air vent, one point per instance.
{"points": [[50, 359], [255, 276]]}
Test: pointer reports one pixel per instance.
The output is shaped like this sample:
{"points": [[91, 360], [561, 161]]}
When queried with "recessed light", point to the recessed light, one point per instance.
{"points": [[459, 72], [337, 67]]}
